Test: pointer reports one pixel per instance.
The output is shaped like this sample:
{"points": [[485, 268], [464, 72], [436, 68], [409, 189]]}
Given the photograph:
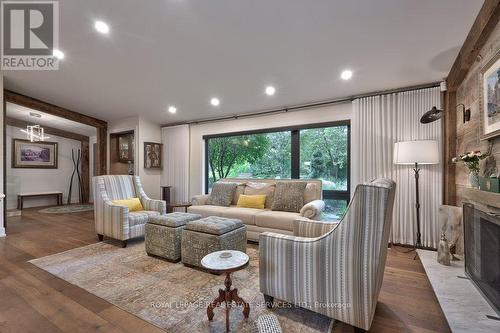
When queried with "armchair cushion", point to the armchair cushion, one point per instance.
{"points": [[222, 194], [289, 196], [313, 209], [133, 204]]}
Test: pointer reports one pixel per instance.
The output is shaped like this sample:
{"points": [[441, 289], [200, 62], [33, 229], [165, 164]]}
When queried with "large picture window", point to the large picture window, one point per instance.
{"points": [[319, 151]]}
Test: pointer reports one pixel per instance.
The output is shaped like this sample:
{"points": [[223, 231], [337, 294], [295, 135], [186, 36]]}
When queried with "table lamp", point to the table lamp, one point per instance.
{"points": [[415, 153]]}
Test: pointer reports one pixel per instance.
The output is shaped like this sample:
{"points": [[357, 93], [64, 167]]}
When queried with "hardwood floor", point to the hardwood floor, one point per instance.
{"points": [[32, 300]]}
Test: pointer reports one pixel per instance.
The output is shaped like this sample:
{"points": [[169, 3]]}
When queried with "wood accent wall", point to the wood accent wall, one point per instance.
{"points": [[482, 43]]}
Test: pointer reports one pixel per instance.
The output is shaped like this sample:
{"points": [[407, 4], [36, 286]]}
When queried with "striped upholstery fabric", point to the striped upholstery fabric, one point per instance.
{"points": [[340, 273], [311, 228], [115, 221]]}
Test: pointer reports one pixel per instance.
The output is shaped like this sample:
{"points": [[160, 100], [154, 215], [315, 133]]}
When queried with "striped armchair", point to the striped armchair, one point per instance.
{"points": [[338, 274], [116, 221]]}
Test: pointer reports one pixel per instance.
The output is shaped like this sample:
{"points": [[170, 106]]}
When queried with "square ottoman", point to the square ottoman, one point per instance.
{"points": [[163, 235], [211, 234]]}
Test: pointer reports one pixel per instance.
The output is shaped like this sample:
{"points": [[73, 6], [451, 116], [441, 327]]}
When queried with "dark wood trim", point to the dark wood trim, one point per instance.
{"points": [[48, 130], [101, 161], [85, 172], [33, 103], [483, 26], [295, 154], [4, 166]]}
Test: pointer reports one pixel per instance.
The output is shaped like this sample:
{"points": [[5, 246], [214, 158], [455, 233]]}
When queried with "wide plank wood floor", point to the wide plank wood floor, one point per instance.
{"points": [[32, 300]]}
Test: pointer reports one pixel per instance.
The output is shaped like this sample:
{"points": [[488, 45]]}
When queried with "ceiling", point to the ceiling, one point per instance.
{"points": [[183, 52], [20, 112]]}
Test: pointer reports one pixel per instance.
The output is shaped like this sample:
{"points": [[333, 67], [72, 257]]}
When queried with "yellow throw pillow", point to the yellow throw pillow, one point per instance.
{"points": [[251, 201], [133, 204]]}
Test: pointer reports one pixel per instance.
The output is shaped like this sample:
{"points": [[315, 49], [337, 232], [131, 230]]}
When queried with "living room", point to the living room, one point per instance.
{"points": [[285, 166]]}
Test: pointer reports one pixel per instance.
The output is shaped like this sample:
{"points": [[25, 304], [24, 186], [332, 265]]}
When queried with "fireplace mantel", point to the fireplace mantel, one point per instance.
{"points": [[482, 197]]}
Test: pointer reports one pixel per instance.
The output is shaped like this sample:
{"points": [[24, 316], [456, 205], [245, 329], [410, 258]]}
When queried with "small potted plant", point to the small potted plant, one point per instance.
{"points": [[471, 161]]}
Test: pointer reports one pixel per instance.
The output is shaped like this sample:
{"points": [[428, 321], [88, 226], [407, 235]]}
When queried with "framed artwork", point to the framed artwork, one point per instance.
{"points": [[40, 155], [152, 155], [126, 148], [490, 98]]}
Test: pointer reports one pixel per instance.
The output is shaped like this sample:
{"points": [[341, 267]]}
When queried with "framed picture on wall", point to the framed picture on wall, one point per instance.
{"points": [[40, 155], [152, 155], [490, 98]]}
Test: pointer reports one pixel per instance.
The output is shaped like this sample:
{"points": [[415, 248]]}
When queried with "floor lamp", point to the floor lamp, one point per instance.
{"points": [[416, 153]]}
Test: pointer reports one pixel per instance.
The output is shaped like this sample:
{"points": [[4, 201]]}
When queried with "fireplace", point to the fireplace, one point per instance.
{"points": [[482, 250]]}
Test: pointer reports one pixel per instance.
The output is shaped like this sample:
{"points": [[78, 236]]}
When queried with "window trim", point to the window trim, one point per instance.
{"points": [[295, 152]]}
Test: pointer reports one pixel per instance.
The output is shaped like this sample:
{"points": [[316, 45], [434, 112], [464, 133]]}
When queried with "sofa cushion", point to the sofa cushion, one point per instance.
{"points": [[240, 189], [222, 194], [289, 196], [141, 217], [247, 215], [207, 210], [311, 192], [214, 225], [276, 219], [261, 188]]}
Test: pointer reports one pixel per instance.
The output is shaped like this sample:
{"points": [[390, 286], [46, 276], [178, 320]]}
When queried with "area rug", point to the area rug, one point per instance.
{"points": [[67, 209], [172, 296]]}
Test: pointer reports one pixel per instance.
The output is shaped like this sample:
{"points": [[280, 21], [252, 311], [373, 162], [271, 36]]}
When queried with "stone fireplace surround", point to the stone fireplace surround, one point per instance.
{"points": [[463, 305]]}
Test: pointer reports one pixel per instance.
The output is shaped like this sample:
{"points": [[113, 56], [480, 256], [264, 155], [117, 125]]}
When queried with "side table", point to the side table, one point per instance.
{"points": [[227, 262], [171, 206]]}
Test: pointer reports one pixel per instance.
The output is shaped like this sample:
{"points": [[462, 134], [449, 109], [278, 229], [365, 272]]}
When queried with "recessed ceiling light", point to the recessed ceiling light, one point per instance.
{"points": [[215, 101], [102, 27], [172, 109], [346, 75], [58, 54], [270, 90]]}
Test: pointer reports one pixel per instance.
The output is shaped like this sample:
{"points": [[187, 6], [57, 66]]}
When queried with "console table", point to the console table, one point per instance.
{"points": [[22, 196]]}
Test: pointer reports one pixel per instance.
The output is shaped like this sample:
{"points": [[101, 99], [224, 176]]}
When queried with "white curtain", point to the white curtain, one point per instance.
{"points": [[380, 121], [175, 173]]}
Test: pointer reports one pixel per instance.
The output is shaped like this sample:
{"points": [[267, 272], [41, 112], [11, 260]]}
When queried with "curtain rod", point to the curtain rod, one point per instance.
{"points": [[305, 106]]}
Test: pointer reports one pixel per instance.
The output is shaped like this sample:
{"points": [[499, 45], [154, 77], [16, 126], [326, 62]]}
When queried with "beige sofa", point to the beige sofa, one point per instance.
{"points": [[262, 220]]}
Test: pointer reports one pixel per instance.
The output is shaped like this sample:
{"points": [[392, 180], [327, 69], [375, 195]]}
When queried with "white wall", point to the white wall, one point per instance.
{"points": [[144, 131], [310, 116], [2, 229], [150, 178], [41, 180]]}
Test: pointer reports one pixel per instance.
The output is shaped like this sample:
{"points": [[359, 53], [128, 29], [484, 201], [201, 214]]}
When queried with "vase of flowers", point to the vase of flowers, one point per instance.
{"points": [[471, 161]]}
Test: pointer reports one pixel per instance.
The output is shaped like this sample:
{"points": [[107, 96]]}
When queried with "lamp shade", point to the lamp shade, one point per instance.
{"points": [[419, 151]]}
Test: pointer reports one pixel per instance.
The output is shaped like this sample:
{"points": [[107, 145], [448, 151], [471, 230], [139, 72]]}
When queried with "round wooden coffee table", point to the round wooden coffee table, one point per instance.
{"points": [[227, 262]]}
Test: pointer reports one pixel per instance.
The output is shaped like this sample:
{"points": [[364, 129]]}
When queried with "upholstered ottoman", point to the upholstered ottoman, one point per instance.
{"points": [[163, 235], [211, 234]]}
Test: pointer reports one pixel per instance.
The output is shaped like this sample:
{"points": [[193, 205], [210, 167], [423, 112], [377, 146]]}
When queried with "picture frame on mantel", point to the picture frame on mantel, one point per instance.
{"points": [[152, 155], [490, 98]]}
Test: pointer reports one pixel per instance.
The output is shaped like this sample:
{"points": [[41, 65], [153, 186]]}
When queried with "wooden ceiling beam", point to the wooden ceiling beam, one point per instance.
{"points": [[483, 26], [38, 105], [47, 130]]}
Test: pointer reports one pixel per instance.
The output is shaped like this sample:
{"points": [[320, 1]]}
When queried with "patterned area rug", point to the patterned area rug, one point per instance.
{"points": [[67, 209], [171, 296]]}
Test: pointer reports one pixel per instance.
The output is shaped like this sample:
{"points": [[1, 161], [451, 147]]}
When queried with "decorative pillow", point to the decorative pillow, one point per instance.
{"points": [[222, 194], [252, 201], [289, 196], [311, 192], [133, 204], [266, 189]]}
